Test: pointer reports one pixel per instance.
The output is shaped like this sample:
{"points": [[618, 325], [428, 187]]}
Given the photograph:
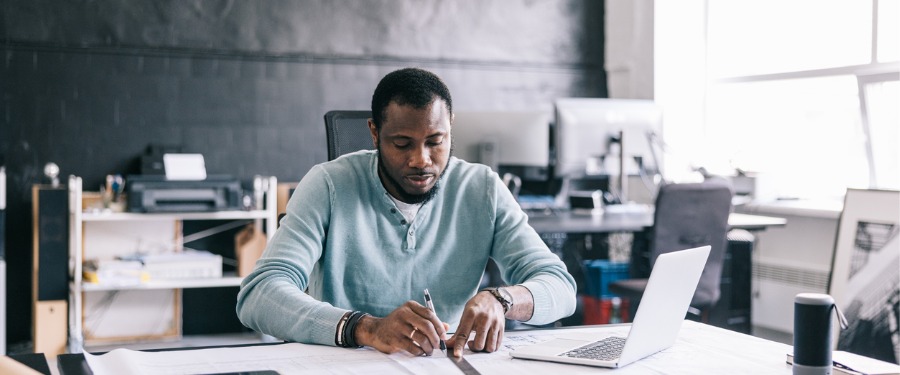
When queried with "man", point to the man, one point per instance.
{"points": [[367, 233]]}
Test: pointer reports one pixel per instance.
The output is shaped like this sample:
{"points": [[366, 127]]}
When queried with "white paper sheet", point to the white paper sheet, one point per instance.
{"points": [[700, 349], [184, 166], [289, 358]]}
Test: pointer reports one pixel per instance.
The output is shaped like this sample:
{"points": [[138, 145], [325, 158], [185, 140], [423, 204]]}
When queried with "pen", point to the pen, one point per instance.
{"points": [[430, 306]]}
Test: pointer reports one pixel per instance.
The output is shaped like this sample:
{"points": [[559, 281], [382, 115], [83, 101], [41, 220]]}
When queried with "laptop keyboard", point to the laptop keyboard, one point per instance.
{"points": [[604, 350]]}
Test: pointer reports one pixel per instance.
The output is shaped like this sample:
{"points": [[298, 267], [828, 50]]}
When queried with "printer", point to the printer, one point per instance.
{"points": [[154, 193]]}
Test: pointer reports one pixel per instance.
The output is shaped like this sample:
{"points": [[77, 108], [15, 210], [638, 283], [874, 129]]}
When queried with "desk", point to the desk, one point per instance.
{"points": [[735, 306], [568, 221], [700, 349]]}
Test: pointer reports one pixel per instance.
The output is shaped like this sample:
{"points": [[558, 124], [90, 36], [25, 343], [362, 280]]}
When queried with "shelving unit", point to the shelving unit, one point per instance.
{"points": [[103, 234]]}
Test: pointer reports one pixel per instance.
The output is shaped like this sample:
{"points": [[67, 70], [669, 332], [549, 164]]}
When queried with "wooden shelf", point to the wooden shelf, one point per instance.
{"points": [[152, 310], [132, 216], [216, 282]]}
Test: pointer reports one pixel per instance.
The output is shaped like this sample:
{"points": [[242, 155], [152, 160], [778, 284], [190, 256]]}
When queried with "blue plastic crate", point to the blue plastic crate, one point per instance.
{"points": [[600, 273]]}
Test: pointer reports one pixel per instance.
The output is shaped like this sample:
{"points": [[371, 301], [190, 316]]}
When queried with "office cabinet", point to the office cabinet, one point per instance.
{"points": [[127, 309]]}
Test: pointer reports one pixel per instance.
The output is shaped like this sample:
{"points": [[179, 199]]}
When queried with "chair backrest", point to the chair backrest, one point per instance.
{"points": [[690, 215], [347, 131]]}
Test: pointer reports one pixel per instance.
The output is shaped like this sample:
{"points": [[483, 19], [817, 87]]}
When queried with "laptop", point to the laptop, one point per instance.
{"points": [[665, 302]]}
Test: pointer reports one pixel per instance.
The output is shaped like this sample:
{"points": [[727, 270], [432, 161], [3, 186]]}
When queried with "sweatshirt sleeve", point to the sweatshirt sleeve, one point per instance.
{"points": [[523, 258], [272, 299]]}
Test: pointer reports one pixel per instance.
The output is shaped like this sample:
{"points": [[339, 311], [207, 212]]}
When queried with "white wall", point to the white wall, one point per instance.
{"points": [[790, 260], [629, 49]]}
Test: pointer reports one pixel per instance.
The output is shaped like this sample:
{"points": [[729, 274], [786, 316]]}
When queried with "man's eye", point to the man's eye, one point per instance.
{"points": [[401, 145]]}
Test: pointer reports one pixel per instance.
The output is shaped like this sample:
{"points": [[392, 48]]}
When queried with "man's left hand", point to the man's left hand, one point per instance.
{"points": [[483, 316]]}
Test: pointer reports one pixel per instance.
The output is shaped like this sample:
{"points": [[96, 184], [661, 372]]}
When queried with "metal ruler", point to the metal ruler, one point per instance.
{"points": [[463, 365]]}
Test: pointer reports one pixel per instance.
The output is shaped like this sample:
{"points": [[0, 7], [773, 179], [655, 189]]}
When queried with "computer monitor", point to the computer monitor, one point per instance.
{"points": [[503, 138], [590, 128]]}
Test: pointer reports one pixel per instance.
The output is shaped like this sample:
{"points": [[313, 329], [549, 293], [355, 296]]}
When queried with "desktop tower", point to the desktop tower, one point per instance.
{"points": [[50, 287]]}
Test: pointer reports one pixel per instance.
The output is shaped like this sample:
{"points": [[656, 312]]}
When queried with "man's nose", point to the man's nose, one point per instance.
{"points": [[420, 158]]}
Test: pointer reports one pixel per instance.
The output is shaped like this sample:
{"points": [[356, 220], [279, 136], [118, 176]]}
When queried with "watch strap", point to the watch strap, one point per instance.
{"points": [[504, 301]]}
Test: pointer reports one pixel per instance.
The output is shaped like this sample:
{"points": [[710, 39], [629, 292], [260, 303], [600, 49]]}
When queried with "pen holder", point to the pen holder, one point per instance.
{"points": [[812, 333]]}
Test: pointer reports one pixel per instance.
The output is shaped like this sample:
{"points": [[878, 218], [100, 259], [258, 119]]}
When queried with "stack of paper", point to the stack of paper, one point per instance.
{"points": [[189, 264], [114, 272]]}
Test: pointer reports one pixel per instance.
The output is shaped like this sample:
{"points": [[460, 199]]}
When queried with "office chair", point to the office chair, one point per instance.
{"points": [[687, 215], [347, 131]]}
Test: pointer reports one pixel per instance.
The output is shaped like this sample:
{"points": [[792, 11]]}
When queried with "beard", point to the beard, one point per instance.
{"points": [[404, 196]]}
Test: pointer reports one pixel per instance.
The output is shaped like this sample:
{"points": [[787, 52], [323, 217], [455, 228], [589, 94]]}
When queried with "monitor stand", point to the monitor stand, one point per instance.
{"points": [[624, 206], [623, 175]]}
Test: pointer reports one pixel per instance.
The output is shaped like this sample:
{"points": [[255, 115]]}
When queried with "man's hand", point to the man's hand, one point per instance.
{"points": [[483, 316], [411, 327]]}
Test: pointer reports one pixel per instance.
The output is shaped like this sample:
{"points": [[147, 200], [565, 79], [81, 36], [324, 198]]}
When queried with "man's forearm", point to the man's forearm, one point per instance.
{"points": [[523, 303]]}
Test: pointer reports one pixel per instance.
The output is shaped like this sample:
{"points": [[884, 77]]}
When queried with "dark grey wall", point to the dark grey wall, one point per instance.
{"points": [[89, 84]]}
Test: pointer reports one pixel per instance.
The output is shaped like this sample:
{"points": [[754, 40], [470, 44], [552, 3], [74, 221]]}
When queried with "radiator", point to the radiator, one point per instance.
{"points": [[775, 283]]}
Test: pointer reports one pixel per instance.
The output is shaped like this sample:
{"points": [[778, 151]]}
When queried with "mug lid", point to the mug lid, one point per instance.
{"points": [[814, 299]]}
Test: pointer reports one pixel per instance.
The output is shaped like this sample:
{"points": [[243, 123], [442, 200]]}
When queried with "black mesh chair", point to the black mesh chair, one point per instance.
{"points": [[687, 215], [347, 131]]}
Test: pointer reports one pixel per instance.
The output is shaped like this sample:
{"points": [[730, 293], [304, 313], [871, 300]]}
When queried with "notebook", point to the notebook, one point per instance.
{"points": [[665, 302]]}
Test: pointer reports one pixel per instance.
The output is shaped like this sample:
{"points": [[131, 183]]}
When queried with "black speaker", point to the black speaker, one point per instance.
{"points": [[52, 256]]}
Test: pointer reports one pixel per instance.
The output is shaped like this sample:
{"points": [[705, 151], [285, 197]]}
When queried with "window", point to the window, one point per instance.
{"points": [[803, 92], [799, 130], [883, 125], [773, 36]]}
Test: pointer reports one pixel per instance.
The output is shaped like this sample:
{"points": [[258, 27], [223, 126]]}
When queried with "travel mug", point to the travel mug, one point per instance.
{"points": [[812, 333]]}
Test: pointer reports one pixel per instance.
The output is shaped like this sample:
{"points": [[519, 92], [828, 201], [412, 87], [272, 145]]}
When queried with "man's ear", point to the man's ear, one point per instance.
{"points": [[374, 132]]}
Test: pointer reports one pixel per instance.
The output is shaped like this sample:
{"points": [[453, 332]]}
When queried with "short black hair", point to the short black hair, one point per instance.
{"points": [[409, 86]]}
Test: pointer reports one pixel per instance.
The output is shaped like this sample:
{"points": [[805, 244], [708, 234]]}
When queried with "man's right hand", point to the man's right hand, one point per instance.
{"points": [[411, 327]]}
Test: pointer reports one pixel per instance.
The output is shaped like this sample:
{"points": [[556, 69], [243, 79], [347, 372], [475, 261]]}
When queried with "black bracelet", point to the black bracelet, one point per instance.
{"points": [[349, 338], [344, 342], [341, 326]]}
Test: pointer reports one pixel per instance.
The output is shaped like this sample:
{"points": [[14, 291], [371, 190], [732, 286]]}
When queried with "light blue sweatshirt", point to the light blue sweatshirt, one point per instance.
{"points": [[346, 244]]}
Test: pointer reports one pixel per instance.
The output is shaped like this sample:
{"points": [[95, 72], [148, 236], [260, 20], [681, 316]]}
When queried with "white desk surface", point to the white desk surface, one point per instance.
{"points": [[700, 349], [570, 221]]}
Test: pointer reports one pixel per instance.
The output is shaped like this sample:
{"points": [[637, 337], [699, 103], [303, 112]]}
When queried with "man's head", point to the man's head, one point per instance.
{"points": [[410, 126]]}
